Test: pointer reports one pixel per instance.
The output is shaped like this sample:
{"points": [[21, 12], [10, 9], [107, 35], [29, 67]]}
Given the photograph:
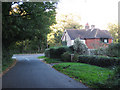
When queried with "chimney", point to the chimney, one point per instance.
{"points": [[86, 26], [92, 27]]}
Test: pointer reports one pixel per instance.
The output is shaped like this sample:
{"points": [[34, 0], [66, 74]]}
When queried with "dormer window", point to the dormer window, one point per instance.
{"points": [[105, 40]]}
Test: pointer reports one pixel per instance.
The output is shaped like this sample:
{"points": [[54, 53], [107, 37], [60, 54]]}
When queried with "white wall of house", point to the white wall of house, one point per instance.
{"points": [[72, 42], [83, 41], [68, 39]]}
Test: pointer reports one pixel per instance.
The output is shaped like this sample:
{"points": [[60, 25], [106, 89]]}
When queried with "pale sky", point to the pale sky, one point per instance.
{"points": [[95, 12]]}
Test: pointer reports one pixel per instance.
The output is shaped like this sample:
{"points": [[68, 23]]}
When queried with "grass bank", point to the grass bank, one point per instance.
{"points": [[50, 60], [7, 64], [90, 75]]}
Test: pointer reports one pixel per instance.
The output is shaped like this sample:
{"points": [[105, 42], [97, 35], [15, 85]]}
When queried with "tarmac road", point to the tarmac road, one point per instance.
{"points": [[30, 72]]}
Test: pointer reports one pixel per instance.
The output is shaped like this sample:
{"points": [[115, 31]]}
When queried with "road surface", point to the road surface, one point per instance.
{"points": [[30, 72]]}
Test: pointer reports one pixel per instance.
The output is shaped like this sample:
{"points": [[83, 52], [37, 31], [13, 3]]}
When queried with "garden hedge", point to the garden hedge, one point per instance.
{"points": [[102, 61], [56, 52], [66, 57]]}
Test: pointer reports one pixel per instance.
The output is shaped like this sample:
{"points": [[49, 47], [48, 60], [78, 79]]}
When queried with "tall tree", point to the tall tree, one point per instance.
{"points": [[28, 21], [113, 29], [64, 21]]}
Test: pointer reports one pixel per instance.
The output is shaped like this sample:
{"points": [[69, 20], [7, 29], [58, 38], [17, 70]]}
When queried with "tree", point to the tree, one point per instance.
{"points": [[70, 21], [67, 21], [31, 20], [80, 47], [113, 29]]}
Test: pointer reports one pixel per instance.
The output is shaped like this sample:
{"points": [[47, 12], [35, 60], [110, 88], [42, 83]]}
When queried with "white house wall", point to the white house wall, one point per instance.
{"points": [[83, 41], [68, 39], [72, 41]]}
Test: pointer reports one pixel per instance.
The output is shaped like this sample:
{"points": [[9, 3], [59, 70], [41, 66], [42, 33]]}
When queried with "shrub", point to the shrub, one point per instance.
{"points": [[64, 43], [71, 48], [75, 58], [113, 81], [80, 47], [47, 52], [56, 52], [102, 61], [113, 50], [66, 56], [61, 50], [53, 53], [99, 51]]}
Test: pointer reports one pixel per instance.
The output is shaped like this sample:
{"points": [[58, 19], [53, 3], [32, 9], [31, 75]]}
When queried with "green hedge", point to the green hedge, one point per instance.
{"points": [[102, 61], [113, 50], [66, 57], [56, 52], [47, 52]]}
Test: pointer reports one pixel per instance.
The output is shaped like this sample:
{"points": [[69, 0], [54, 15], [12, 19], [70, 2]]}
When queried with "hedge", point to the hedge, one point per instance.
{"points": [[102, 61], [56, 52], [66, 57]]}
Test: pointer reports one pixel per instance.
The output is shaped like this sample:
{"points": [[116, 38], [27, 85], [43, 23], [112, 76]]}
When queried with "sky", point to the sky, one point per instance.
{"points": [[93, 12]]}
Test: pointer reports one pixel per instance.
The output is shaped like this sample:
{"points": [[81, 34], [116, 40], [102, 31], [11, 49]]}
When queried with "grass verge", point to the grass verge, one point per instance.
{"points": [[41, 57], [90, 75], [7, 64], [50, 60]]}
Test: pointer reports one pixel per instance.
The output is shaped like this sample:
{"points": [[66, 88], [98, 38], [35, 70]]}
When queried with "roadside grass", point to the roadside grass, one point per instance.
{"points": [[51, 60], [90, 75], [41, 57], [7, 64]]}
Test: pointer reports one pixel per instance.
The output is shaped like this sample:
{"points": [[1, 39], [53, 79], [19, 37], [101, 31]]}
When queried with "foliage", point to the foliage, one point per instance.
{"points": [[47, 52], [56, 52], [80, 47], [64, 21], [102, 61], [66, 57], [35, 23], [113, 81], [113, 29], [99, 51], [26, 29], [6, 58], [71, 48], [51, 60], [90, 75], [54, 37], [113, 50], [41, 57], [64, 43], [68, 21], [75, 58]]}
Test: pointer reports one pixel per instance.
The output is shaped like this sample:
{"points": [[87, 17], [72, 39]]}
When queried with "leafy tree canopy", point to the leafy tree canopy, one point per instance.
{"points": [[113, 29], [27, 21]]}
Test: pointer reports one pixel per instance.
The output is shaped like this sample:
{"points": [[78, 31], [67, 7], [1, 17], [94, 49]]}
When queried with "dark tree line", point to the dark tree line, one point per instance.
{"points": [[26, 26]]}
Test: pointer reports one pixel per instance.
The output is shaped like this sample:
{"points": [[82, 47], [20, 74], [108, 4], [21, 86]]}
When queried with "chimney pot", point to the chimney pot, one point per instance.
{"points": [[92, 27], [86, 26]]}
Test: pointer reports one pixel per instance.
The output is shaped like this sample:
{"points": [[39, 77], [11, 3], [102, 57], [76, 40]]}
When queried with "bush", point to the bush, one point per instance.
{"points": [[80, 47], [114, 81], [102, 61], [99, 51], [64, 43], [56, 52], [113, 50], [61, 50], [75, 57], [47, 52], [66, 56], [71, 48]]}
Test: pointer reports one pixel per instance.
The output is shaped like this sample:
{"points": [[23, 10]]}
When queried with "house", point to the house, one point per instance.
{"points": [[93, 37]]}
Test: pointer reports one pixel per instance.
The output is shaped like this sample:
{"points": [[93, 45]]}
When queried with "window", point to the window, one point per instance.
{"points": [[105, 40]]}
